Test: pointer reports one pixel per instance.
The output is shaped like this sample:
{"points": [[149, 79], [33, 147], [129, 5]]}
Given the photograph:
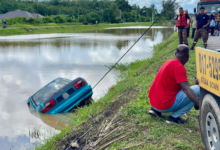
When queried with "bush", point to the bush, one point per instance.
{"points": [[31, 21], [93, 17], [70, 19], [82, 19], [59, 19], [47, 19], [38, 21]]}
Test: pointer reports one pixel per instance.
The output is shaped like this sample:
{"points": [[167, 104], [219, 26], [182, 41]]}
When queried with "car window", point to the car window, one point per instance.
{"points": [[49, 90]]}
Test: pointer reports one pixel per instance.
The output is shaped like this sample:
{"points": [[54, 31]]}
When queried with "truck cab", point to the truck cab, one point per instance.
{"points": [[208, 78], [211, 6]]}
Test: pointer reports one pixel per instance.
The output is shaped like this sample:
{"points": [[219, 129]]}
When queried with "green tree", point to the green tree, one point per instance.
{"points": [[170, 13]]}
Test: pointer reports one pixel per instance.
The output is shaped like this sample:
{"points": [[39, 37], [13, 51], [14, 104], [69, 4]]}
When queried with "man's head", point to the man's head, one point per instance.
{"points": [[182, 53], [219, 14], [202, 10], [181, 10]]}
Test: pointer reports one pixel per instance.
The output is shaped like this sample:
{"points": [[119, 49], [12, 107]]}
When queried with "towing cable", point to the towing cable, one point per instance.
{"points": [[135, 44]]}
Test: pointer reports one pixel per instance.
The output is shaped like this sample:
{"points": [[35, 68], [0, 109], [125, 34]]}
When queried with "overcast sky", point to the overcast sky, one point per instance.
{"points": [[186, 4]]}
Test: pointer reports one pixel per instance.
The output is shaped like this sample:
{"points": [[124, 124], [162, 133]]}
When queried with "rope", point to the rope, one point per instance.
{"points": [[135, 43]]}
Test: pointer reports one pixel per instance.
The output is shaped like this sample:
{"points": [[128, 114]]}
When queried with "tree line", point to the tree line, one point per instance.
{"points": [[89, 11]]}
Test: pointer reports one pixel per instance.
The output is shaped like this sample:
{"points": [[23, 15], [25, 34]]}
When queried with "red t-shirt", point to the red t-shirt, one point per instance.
{"points": [[165, 87]]}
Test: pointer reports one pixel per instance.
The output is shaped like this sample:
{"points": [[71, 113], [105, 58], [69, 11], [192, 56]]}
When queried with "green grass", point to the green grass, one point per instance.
{"points": [[20, 29], [133, 84]]}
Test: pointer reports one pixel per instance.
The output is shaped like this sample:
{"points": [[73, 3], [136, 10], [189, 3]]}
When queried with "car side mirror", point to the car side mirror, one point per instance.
{"points": [[194, 10]]}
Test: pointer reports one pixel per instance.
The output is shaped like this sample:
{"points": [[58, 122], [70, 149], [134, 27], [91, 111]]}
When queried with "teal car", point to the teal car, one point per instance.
{"points": [[61, 96]]}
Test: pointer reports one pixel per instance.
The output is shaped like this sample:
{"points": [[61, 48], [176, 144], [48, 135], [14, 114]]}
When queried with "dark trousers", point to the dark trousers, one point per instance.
{"points": [[201, 32], [193, 33], [212, 30], [183, 36], [188, 29]]}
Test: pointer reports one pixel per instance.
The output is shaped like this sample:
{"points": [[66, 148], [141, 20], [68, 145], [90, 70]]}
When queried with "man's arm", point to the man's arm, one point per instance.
{"points": [[206, 24], [189, 92]]}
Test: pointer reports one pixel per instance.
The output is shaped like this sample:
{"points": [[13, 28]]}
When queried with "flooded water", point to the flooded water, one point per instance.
{"points": [[28, 62]]}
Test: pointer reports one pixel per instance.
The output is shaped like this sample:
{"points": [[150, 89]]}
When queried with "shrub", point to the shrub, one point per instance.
{"points": [[47, 19], [59, 19], [82, 19], [69, 19], [31, 21]]}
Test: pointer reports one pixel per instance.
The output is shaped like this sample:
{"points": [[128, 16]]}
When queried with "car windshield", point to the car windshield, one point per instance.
{"points": [[211, 8], [49, 90]]}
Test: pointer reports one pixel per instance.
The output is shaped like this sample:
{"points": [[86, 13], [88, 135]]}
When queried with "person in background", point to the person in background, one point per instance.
{"points": [[208, 27], [212, 25], [217, 20], [188, 23], [193, 25], [171, 91], [4, 24], [202, 21], [181, 23]]}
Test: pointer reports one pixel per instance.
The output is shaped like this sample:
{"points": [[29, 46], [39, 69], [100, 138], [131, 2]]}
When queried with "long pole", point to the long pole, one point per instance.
{"points": [[37, 9], [78, 14], [108, 18]]}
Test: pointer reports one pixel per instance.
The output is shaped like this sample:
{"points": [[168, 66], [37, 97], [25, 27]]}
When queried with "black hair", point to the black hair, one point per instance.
{"points": [[181, 8], [212, 17], [183, 51], [202, 8]]}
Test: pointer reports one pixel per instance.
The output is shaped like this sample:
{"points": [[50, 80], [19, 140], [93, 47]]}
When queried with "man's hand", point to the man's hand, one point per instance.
{"points": [[187, 26], [204, 26], [190, 93]]}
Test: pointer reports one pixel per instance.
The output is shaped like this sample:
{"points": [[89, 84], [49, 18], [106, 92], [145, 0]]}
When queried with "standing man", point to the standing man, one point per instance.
{"points": [[202, 21], [193, 25], [188, 23], [181, 23], [208, 27], [217, 27], [171, 91]]}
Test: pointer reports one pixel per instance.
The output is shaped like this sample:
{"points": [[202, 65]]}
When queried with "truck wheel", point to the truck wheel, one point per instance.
{"points": [[210, 119]]}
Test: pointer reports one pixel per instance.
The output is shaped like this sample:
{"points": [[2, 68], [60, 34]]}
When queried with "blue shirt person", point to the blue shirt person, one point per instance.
{"points": [[202, 21]]}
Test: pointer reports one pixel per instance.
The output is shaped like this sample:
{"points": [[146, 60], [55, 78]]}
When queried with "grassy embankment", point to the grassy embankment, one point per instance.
{"points": [[129, 99], [19, 29]]}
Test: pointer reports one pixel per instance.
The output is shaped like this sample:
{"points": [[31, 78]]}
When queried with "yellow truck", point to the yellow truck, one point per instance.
{"points": [[208, 78]]}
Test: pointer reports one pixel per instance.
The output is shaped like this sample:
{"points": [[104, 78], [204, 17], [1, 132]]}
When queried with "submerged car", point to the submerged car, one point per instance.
{"points": [[61, 96]]}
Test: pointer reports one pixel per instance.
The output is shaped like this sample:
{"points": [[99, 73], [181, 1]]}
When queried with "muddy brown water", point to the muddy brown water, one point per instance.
{"points": [[28, 62]]}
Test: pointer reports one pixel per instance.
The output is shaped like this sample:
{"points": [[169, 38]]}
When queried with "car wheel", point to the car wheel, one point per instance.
{"points": [[210, 119]]}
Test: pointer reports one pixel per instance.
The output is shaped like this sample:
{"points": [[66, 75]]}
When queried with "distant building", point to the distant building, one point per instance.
{"points": [[19, 13]]}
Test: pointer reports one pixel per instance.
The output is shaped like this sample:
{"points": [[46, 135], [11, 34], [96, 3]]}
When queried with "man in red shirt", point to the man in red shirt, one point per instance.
{"points": [[171, 91]]}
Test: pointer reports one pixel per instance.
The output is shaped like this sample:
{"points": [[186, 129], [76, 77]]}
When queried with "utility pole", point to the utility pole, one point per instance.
{"points": [[120, 13], [78, 14], [153, 16], [139, 17], [37, 9], [108, 18]]}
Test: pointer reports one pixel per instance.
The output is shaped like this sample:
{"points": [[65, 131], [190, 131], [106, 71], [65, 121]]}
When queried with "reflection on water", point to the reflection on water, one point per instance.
{"points": [[28, 62]]}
